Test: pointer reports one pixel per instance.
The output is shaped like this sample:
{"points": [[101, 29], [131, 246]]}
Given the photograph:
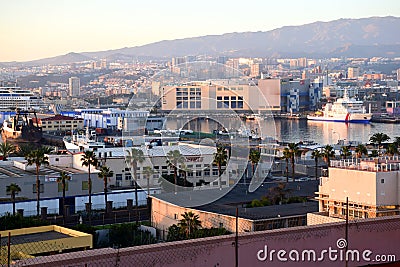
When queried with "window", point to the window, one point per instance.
{"points": [[128, 176], [41, 188], [118, 177], [382, 181], [198, 173], [57, 159], [60, 187], [85, 185]]}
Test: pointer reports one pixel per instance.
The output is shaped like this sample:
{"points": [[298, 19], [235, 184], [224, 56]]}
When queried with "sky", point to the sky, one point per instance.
{"points": [[34, 29]]}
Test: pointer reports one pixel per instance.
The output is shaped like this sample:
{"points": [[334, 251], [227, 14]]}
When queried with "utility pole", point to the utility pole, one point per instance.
{"points": [[237, 239]]}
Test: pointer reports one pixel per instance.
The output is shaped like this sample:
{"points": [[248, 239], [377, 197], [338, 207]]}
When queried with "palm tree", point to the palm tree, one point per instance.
{"points": [[134, 157], [397, 141], [279, 192], [374, 153], [287, 156], [392, 150], [6, 149], [254, 158], [327, 154], [104, 174], [38, 158], [316, 154], [89, 159], [189, 223], [174, 159], [345, 152], [148, 172], [13, 189], [25, 149], [379, 138], [64, 177], [220, 159], [294, 150], [361, 150]]}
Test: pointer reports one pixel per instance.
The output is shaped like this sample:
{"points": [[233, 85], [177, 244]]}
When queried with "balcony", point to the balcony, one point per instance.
{"points": [[381, 164]]}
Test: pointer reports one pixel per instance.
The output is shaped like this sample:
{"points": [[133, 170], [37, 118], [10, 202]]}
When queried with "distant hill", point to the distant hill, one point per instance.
{"points": [[366, 37], [63, 59]]}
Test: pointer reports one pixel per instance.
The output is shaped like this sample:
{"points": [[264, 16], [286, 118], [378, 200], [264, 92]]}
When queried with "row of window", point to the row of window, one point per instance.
{"points": [[230, 102]]}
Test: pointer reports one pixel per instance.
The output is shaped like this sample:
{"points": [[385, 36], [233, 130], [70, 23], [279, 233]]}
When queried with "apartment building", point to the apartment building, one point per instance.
{"points": [[372, 186]]}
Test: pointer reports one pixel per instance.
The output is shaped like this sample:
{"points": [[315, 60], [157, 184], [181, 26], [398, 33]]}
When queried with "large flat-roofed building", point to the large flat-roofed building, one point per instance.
{"points": [[273, 95], [372, 186], [44, 240]]}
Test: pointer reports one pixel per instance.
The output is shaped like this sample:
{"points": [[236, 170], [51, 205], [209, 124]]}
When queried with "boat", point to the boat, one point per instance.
{"points": [[344, 109], [12, 97], [22, 127], [81, 142]]}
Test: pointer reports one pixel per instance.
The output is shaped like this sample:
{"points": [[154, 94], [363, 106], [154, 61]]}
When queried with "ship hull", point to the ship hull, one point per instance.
{"points": [[352, 118], [14, 136]]}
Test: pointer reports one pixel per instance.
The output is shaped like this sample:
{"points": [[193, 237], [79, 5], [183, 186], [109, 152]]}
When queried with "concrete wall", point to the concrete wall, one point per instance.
{"points": [[377, 235], [165, 214], [321, 218]]}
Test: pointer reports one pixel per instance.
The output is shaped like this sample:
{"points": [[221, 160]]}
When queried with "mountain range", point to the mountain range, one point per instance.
{"points": [[365, 37]]}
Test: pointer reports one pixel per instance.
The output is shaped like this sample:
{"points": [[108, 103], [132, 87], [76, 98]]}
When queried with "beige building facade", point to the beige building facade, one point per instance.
{"points": [[372, 186]]}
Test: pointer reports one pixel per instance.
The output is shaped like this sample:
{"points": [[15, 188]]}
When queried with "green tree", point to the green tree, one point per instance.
{"points": [[189, 223], [316, 155], [220, 159], [279, 193], [104, 174], [174, 159], [89, 159], [287, 156], [374, 153], [378, 139], [25, 149], [13, 189], [361, 150], [254, 157], [184, 170], [397, 141], [38, 158], [294, 151], [345, 152], [62, 179], [148, 172], [6, 149], [327, 154], [392, 150], [134, 157]]}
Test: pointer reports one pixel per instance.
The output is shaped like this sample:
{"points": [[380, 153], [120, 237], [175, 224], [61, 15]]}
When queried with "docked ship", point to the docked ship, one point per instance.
{"points": [[12, 97], [23, 127], [344, 109]]}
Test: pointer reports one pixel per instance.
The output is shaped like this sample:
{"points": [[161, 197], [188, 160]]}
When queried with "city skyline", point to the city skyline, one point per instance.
{"points": [[54, 28]]}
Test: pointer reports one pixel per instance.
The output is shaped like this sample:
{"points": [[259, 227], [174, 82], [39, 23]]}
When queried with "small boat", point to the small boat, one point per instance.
{"points": [[344, 109], [23, 127]]}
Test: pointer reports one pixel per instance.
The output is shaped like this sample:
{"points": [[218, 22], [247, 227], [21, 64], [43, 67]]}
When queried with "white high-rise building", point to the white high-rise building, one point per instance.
{"points": [[74, 86]]}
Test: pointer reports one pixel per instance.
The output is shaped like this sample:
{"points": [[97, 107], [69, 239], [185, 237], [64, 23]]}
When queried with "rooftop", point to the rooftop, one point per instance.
{"points": [[379, 164], [239, 195]]}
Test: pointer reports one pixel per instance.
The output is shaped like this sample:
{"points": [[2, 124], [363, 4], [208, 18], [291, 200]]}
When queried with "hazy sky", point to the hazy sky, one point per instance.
{"points": [[33, 29]]}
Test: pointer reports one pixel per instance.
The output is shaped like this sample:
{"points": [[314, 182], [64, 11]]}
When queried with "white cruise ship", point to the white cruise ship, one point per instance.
{"points": [[14, 97], [345, 109]]}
